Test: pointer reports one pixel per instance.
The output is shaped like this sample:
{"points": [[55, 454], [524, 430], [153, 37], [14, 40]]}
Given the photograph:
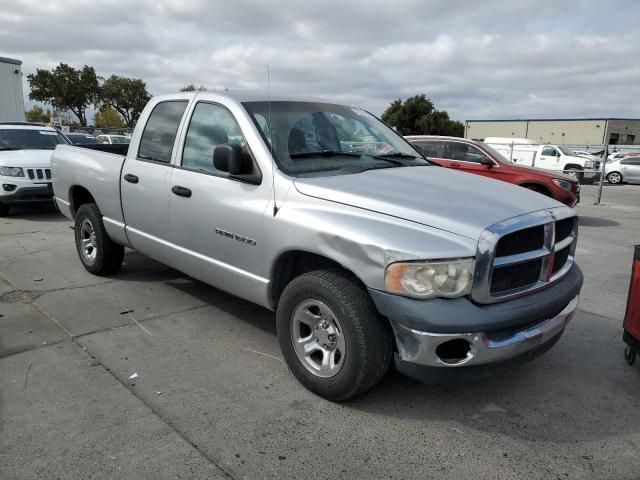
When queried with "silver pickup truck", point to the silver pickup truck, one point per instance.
{"points": [[367, 252]]}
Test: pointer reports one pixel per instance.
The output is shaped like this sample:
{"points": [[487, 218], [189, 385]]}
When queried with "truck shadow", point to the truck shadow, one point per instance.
{"points": [[574, 393], [37, 213], [597, 222]]}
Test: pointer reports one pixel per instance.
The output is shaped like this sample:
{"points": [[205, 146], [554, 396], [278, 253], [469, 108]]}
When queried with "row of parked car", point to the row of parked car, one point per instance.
{"points": [[551, 170], [77, 138]]}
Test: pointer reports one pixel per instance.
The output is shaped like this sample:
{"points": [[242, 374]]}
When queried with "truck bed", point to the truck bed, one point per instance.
{"points": [[99, 172]]}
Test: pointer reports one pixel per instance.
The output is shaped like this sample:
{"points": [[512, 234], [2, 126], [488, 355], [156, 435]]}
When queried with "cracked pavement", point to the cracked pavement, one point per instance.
{"points": [[210, 402]]}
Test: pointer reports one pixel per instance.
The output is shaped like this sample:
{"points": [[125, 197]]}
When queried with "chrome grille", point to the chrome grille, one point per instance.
{"points": [[524, 254], [39, 173]]}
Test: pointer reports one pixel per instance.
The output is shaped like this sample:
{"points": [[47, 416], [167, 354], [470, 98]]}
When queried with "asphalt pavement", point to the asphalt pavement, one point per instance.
{"points": [[150, 374]]}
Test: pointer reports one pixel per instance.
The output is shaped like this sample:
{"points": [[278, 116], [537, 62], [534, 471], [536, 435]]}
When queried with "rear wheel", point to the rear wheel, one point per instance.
{"points": [[333, 339], [98, 253], [614, 178]]}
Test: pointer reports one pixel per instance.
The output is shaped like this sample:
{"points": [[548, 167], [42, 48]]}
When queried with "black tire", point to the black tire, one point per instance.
{"points": [[616, 176], [367, 338], [538, 189], [106, 256], [629, 356], [4, 210]]}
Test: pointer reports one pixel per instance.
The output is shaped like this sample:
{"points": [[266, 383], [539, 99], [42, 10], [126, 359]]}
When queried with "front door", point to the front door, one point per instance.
{"points": [[549, 159], [216, 221], [146, 182]]}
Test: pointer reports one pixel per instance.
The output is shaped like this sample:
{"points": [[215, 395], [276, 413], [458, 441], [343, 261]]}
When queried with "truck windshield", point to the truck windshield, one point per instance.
{"points": [[27, 139], [311, 137]]}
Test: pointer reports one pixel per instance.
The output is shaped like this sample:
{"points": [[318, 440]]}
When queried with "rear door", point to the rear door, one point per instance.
{"points": [[630, 169], [217, 221], [146, 182]]}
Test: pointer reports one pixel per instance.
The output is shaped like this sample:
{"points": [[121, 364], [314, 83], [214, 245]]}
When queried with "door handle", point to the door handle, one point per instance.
{"points": [[131, 178], [181, 191]]}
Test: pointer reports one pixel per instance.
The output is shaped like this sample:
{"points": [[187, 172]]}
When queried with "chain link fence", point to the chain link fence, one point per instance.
{"points": [[589, 164]]}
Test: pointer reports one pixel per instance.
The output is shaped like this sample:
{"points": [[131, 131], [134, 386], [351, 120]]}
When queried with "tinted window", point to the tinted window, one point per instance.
{"points": [[28, 139], [549, 151], [210, 125], [431, 149], [160, 131], [631, 161], [464, 152]]}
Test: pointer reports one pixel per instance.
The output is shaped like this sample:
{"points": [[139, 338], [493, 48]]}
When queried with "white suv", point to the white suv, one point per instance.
{"points": [[25, 163]]}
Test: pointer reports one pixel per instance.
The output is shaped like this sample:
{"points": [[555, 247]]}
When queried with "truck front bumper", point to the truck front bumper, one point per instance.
{"points": [[434, 339]]}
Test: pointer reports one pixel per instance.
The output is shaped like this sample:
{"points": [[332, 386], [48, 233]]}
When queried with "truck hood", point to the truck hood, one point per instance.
{"points": [[457, 202], [26, 158]]}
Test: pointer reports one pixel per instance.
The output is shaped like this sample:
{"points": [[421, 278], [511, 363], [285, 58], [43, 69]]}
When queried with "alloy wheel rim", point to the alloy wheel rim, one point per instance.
{"points": [[88, 243], [614, 178], [318, 338]]}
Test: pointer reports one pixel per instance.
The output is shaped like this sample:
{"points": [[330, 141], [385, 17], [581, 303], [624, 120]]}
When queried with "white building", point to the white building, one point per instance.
{"points": [[564, 131], [11, 96]]}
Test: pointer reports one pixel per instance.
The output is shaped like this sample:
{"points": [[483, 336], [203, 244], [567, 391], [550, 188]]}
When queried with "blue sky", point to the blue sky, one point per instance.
{"points": [[490, 59]]}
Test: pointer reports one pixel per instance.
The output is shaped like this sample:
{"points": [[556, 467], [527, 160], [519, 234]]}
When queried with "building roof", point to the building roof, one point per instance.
{"points": [[10, 60], [557, 119]]}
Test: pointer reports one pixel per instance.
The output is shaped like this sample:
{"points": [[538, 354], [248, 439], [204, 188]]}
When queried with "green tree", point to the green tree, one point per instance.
{"points": [[108, 117], [192, 88], [418, 116], [38, 115], [66, 88], [128, 96]]}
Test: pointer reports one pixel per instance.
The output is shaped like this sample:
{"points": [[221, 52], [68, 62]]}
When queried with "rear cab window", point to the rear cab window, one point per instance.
{"points": [[159, 135]]}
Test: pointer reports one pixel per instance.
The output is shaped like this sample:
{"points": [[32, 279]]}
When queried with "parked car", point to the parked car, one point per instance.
{"points": [[113, 139], [623, 170], [367, 252], [81, 138], [475, 157], [524, 151], [25, 163]]}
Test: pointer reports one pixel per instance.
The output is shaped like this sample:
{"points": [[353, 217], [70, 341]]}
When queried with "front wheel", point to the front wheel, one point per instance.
{"points": [[333, 339], [4, 210], [614, 178], [98, 253]]}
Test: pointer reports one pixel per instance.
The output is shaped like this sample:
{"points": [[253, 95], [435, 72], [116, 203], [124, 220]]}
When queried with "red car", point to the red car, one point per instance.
{"points": [[475, 157]]}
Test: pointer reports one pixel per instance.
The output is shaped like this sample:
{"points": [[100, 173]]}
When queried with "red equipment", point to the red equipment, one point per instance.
{"points": [[631, 334]]}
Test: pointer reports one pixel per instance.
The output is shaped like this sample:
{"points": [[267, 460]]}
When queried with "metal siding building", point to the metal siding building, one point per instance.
{"points": [[571, 131], [11, 96]]}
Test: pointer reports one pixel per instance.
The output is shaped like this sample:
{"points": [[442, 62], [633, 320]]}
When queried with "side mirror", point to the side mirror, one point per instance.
{"points": [[229, 157], [487, 162]]}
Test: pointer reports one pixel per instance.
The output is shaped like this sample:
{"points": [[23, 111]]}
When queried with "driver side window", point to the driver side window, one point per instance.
{"points": [[550, 151], [210, 125]]}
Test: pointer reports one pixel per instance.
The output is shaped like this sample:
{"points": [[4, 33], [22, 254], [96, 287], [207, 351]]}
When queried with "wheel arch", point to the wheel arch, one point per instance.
{"points": [[78, 196], [293, 263], [573, 166], [538, 187]]}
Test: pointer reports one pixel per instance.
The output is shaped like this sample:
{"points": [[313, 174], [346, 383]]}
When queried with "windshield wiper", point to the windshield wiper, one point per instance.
{"points": [[323, 153]]}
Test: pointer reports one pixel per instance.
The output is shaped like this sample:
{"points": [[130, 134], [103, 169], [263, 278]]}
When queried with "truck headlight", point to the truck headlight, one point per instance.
{"points": [[11, 171], [442, 278], [589, 164], [563, 183]]}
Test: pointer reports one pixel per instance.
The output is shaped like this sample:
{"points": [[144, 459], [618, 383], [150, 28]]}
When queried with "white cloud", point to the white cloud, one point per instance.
{"points": [[476, 59]]}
